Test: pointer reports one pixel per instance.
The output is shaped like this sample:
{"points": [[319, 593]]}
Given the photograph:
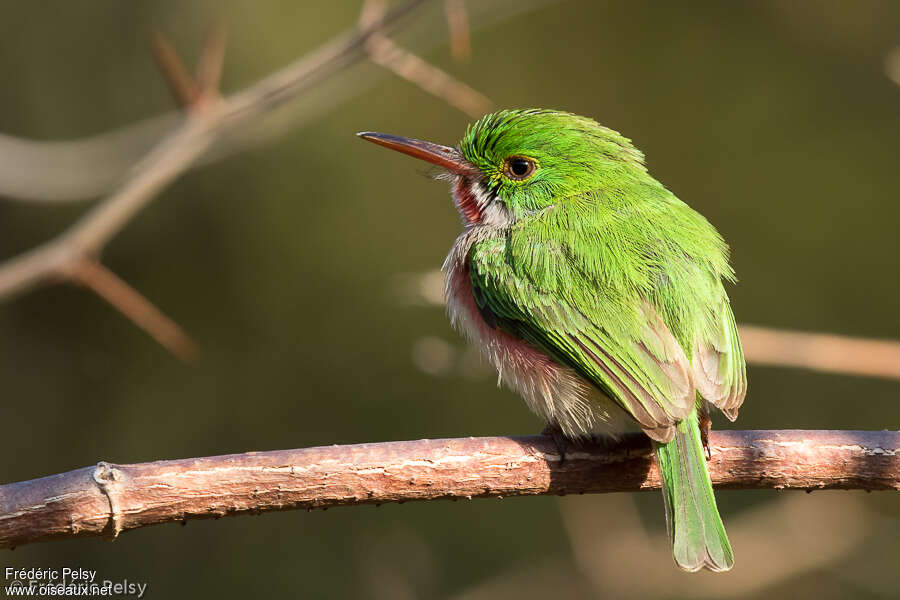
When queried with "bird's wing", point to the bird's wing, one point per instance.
{"points": [[720, 372], [641, 366]]}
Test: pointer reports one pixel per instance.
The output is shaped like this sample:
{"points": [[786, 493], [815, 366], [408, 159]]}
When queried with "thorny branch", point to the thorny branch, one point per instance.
{"points": [[90, 167], [107, 499], [404, 63], [73, 255]]}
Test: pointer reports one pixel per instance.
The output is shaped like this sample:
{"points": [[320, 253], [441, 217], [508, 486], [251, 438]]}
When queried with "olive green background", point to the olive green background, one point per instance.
{"points": [[290, 265]]}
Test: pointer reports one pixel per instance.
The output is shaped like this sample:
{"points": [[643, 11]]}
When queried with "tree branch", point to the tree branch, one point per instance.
{"points": [[179, 150], [208, 117], [826, 352], [107, 499], [383, 51], [135, 307], [88, 167]]}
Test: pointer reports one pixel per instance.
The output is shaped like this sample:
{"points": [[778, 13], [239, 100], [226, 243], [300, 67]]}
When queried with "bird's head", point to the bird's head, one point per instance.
{"points": [[514, 163]]}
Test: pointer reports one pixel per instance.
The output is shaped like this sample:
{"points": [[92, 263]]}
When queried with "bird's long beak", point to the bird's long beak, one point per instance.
{"points": [[442, 156]]}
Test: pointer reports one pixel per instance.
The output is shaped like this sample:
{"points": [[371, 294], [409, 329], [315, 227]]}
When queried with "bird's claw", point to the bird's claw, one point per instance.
{"points": [[705, 425], [559, 439]]}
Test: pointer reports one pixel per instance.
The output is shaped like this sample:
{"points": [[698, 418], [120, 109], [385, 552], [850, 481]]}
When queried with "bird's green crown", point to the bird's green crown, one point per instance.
{"points": [[533, 158]]}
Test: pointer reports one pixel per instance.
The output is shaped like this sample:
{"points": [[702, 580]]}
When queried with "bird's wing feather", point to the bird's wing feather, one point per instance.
{"points": [[643, 368], [720, 372]]}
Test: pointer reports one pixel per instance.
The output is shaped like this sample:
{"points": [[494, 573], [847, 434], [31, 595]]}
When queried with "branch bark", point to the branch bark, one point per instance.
{"points": [[107, 499]]}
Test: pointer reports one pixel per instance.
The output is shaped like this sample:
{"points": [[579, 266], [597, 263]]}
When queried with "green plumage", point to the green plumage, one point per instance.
{"points": [[572, 247]]}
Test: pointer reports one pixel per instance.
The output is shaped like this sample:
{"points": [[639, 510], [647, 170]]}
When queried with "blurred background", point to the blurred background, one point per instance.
{"points": [[303, 267]]}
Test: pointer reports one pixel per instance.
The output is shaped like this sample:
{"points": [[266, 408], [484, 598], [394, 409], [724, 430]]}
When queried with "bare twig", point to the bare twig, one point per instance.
{"points": [[175, 153], [190, 91], [92, 166], [178, 77], [892, 64], [135, 307], [88, 235], [458, 24], [431, 79], [208, 118], [821, 352], [74, 505], [212, 59], [383, 51]]}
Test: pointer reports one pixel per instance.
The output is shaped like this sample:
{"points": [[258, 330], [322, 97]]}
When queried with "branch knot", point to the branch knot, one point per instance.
{"points": [[108, 479]]}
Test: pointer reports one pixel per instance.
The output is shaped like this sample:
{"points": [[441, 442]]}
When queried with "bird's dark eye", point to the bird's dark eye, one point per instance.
{"points": [[519, 167]]}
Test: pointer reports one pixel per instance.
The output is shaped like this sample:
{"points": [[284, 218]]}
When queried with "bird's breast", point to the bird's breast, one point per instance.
{"points": [[551, 390], [503, 349], [514, 358]]}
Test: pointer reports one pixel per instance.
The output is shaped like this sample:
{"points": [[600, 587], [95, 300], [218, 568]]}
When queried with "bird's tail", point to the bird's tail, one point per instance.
{"points": [[695, 528]]}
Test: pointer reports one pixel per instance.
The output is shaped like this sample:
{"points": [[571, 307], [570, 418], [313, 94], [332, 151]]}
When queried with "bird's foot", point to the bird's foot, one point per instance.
{"points": [[552, 430], [705, 425]]}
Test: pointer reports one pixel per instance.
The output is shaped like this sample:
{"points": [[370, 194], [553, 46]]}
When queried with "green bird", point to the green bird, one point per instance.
{"points": [[598, 296]]}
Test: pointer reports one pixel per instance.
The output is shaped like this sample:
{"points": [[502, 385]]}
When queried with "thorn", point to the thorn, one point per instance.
{"points": [[180, 81], [372, 10], [209, 65], [128, 301], [559, 440], [383, 51], [458, 24]]}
